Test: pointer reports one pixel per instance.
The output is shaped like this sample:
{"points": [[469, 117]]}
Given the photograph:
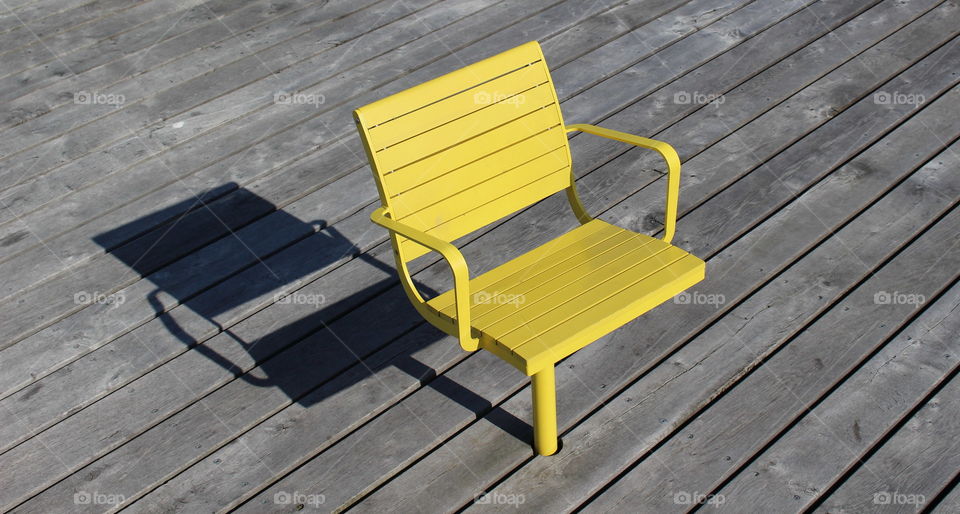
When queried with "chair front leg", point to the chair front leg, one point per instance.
{"points": [[545, 411]]}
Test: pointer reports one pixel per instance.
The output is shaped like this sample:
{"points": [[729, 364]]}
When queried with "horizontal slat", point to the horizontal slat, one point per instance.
{"points": [[441, 87], [463, 129], [587, 293], [590, 248], [552, 302], [558, 341], [509, 88], [460, 201], [478, 148], [475, 173], [606, 258], [550, 254], [492, 211]]}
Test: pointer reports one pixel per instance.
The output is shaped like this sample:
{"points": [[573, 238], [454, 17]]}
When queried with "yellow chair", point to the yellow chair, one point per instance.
{"points": [[463, 150]]}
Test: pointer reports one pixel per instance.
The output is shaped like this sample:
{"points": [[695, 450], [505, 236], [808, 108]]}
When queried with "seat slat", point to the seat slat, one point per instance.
{"points": [[620, 248], [439, 88], [553, 302], [466, 198], [547, 255], [556, 309], [509, 88], [543, 124], [492, 211], [559, 340], [463, 129], [526, 279]]}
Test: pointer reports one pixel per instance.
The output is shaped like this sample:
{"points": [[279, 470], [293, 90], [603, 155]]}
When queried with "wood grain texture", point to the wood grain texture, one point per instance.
{"points": [[263, 346]]}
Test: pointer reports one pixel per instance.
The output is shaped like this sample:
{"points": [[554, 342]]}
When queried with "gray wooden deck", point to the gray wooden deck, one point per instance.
{"points": [[197, 315]]}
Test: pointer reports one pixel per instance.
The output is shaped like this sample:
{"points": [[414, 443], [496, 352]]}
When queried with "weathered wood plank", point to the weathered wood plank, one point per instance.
{"points": [[408, 383], [786, 175], [85, 380], [725, 435], [31, 9], [152, 18], [245, 164], [68, 388], [54, 301], [608, 60], [72, 131], [12, 18], [593, 466], [123, 166], [94, 325], [374, 473], [58, 426], [25, 314], [600, 367], [219, 460], [179, 382], [196, 50], [145, 40], [103, 40], [20, 30], [165, 197], [951, 501], [259, 344], [919, 459], [97, 279]]}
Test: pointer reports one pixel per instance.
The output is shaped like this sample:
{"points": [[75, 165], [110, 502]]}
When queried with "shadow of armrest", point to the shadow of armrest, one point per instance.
{"points": [[174, 328]]}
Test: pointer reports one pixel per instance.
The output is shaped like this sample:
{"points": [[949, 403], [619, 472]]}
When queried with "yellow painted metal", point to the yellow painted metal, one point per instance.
{"points": [[468, 148], [544, 411], [666, 151]]}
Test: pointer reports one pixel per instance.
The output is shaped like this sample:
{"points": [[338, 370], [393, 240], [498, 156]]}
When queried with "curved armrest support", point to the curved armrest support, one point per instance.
{"points": [[666, 151], [461, 276]]}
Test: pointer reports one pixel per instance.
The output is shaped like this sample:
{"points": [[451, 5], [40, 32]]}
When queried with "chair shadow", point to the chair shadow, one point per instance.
{"points": [[289, 370]]}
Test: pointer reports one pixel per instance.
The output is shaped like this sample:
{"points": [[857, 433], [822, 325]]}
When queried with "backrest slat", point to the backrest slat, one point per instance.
{"points": [[504, 160], [509, 88], [463, 150], [442, 208], [491, 211], [455, 132], [493, 145]]}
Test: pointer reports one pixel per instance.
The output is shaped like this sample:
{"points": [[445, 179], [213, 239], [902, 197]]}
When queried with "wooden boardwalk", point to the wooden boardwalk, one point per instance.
{"points": [[197, 315]]}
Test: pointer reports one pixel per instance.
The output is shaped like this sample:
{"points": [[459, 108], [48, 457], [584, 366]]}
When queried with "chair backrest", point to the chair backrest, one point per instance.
{"points": [[468, 148]]}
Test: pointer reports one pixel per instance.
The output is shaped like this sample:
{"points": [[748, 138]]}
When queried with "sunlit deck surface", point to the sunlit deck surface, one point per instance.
{"points": [[197, 314]]}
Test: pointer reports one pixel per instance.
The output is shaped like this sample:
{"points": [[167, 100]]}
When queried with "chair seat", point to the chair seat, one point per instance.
{"points": [[544, 305]]}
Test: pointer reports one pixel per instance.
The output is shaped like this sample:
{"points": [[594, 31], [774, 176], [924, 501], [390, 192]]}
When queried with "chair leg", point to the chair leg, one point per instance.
{"points": [[544, 412]]}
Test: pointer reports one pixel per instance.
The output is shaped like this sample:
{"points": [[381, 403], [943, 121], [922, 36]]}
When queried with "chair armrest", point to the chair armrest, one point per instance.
{"points": [[666, 151], [458, 265]]}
